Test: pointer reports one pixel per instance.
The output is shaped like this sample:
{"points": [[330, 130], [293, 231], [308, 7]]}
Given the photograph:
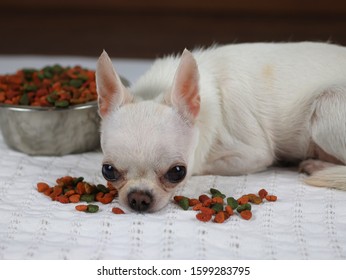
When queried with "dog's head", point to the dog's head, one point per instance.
{"points": [[148, 146]]}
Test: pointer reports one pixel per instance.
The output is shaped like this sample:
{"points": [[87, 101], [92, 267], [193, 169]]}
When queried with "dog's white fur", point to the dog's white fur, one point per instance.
{"points": [[227, 110]]}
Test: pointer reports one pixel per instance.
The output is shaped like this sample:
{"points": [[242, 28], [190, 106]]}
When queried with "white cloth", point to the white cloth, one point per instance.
{"points": [[305, 223]]}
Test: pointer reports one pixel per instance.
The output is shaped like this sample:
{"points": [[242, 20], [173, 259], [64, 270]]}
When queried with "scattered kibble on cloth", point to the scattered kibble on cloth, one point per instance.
{"points": [[215, 205], [70, 189]]}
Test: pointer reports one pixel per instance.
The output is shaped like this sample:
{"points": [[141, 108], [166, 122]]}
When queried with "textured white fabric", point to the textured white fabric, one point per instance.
{"points": [[305, 223]]}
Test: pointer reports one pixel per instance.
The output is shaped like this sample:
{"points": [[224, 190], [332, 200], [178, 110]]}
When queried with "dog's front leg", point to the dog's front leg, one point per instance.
{"points": [[242, 159]]}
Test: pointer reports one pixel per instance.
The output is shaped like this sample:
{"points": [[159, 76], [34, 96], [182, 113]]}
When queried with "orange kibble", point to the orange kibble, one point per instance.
{"points": [[80, 188], [246, 214], [262, 193], [107, 198], [197, 207], [203, 198], [99, 196], [207, 210], [64, 181], [203, 217], [207, 202], [243, 200], [62, 199], [257, 200], [193, 201], [48, 191], [58, 190], [53, 195], [229, 210], [271, 197], [70, 192], [217, 199], [117, 210], [177, 198], [221, 216], [42, 187], [2, 96], [251, 196], [81, 207], [75, 198]]}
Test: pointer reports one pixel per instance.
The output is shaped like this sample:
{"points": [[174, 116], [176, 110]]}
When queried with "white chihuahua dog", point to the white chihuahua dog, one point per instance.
{"points": [[226, 110]]}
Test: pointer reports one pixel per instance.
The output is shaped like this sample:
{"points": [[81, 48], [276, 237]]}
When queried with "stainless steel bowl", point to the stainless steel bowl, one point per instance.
{"points": [[51, 131]]}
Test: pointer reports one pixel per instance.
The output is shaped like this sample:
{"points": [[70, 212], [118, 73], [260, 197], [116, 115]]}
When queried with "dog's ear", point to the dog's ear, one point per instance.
{"points": [[184, 95], [111, 92]]}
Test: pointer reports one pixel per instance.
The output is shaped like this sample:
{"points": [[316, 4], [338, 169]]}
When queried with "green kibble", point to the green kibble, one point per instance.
{"points": [[40, 76], [87, 197], [84, 78], [77, 83], [231, 201], [184, 203], [219, 195], [24, 99], [61, 104], [57, 68], [102, 188], [243, 207], [216, 193], [52, 97], [29, 71], [217, 207], [47, 74], [28, 88], [92, 208], [77, 180]]}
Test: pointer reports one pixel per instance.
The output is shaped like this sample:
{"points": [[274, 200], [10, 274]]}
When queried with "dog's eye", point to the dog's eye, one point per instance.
{"points": [[176, 174], [110, 173]]}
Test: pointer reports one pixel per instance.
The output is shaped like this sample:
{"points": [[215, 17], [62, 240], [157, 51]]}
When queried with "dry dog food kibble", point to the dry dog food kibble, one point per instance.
{"points": [[244, 207], [221, 216], [74, 189], [262, 193], [92, 208], [42, 187], [229, 210], [243, 200], [231, 201], [216, 193], [271, 197], [51, 86], [215, 205], [203, 217], [193, 202], [184, 203], [246, 214], [82, 207], [117, 210]]}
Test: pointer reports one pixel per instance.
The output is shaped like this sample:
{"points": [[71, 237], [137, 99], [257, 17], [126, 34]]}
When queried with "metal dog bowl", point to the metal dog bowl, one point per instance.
{"points": [[51, 131]]}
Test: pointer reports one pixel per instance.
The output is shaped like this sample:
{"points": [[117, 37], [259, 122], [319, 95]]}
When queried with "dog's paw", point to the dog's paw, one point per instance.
{"points": [[311, 166]]}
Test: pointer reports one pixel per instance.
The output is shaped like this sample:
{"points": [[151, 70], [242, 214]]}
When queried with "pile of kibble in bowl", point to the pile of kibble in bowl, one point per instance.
{"points": [[51, 86]]}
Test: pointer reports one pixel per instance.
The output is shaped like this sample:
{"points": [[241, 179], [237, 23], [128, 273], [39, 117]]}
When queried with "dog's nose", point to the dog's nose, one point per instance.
{"points": [[139, 200]]}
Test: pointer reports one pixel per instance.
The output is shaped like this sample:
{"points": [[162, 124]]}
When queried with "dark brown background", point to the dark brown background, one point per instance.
{"points": [[151, 28]]}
